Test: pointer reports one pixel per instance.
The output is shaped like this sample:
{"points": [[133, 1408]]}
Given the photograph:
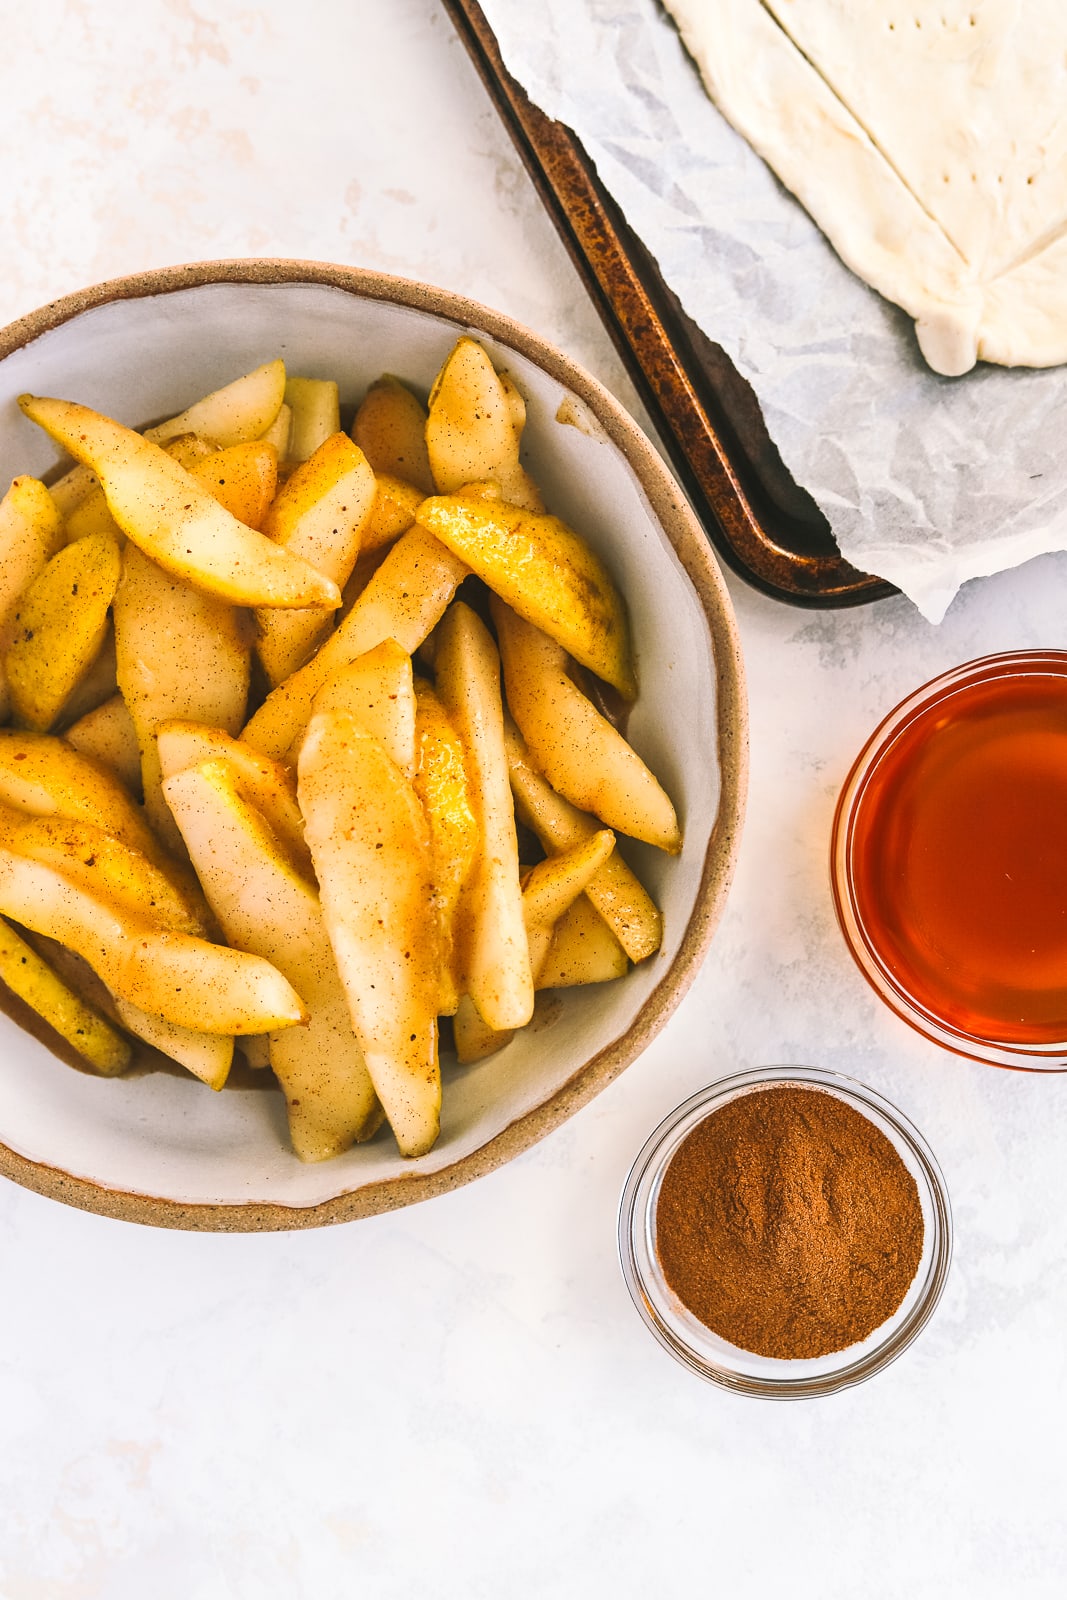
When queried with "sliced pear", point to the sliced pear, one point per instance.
{"points": [[264, 784], [108, 736], [393, 512], [208, 1056], [176, 522], [378, 690], [267, 908], [174, 975], [583, 950], [92, 515], [100, 683], [319, 515], [549, 891], [615, 890], [496, 960], [442, 786], [43, 774], [390, 429], [474, 1038], [243, 478], [241, 411], [316, 414], [404, 600], [371, 847], [68, 492], [88, 855], [280, 432], [546, 573], [85, 1030], [552, 887], [31, 533], [470, 431], [583, 757], [181, 653], [58, 628]]}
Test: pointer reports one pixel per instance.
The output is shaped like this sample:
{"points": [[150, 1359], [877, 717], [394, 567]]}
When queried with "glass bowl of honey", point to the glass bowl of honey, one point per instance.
{"points": [[949, 860]]}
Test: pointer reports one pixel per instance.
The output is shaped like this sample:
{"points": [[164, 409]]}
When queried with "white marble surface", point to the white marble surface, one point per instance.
{"points": [[458, 1399]]}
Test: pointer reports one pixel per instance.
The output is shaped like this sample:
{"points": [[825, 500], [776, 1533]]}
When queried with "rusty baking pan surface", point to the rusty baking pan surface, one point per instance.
{"points": [[761, 522]]}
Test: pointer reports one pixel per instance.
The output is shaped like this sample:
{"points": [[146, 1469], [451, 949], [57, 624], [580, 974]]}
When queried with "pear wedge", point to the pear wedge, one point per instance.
{"points": [[404, 601], [267, 908], [235, 414], [496, 958], [29, 976], [188, 981], [173, 519], [370, 843], [546, 573], [583, 757]]}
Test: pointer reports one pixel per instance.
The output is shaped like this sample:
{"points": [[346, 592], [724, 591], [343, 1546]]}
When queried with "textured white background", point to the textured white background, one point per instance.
{"points": [[458, 1400]]}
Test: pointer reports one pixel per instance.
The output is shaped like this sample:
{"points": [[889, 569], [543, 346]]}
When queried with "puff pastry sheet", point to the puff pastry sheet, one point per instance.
{"points": [[928, 141]]}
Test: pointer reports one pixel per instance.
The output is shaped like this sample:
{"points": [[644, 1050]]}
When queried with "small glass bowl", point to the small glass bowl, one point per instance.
{"points": [[955, 694], [712, 1357]]}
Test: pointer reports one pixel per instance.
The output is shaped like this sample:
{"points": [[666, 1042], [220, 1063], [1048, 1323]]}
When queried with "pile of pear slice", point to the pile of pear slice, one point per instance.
{"points": [[281, 701]]}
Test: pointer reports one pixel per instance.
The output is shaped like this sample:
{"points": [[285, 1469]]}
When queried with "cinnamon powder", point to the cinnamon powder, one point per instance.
{"points": [[788, 1224]]}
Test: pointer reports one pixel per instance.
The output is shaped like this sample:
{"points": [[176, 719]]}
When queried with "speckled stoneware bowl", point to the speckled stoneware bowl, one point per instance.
{"points": [[160, 1148]]}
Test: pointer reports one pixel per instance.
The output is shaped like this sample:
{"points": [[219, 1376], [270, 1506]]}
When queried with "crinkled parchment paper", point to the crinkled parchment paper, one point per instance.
{"points": [[927, 481]]}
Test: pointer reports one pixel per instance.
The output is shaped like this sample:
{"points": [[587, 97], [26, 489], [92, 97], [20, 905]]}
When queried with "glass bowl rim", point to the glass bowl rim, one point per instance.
{"points": [[661, 1145], [1037, 662]]}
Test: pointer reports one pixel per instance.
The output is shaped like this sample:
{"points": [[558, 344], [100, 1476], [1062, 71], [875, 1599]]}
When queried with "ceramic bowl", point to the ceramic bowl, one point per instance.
{"points": [[160, 1148]]}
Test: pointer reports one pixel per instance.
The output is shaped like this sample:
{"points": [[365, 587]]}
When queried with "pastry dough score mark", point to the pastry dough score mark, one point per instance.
{"points": [[772, 16], [1035, 248]]}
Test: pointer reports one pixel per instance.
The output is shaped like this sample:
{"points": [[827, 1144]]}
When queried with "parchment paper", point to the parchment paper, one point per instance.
{"points": [[926, 481]]}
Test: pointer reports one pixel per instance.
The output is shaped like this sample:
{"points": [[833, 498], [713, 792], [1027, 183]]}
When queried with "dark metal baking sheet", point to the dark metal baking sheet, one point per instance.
{"points": [[763, 524]]}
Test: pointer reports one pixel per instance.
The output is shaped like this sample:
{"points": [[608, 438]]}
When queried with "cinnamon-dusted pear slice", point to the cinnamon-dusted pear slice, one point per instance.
{"points": [[43, 774], [88, 855], [615, 890], [266, 907], [264, 784], [98, 684], [378, 691], [68, 492], [208, 1056], [393, 512], [319, 515], [371, 847], [442, 786], [107, 735], [496, 959], [404, 600], [583, 950], [552, 887], [471, 431], [239, 412], [546, 573], [180, 653], [175, 975], [315, 414], [243, 478], [549, 890], [58, 628], [280, 432], [390, 429], [85, 1030], [30, 535], [176, 522], [92, 515], [583, 757]]}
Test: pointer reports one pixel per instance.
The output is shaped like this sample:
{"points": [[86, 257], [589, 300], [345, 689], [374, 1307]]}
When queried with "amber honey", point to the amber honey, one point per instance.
{"points": [[953, 853]]}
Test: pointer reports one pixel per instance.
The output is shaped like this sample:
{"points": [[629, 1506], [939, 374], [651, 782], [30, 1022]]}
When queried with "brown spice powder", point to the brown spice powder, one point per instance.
{"points": [[788, 1224]]}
